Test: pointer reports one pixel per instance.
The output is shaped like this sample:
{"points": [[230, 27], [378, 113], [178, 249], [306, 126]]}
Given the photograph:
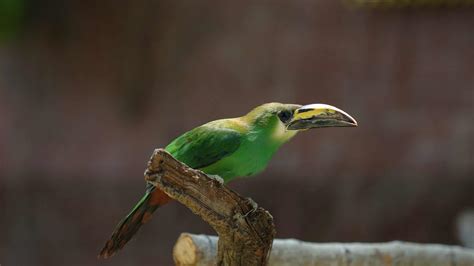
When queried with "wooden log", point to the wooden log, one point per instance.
{"points": [[245, 230], [200, 250]]}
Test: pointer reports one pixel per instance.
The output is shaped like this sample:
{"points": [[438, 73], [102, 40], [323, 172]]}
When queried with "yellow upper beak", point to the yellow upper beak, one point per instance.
{"points": [[320, 115]]}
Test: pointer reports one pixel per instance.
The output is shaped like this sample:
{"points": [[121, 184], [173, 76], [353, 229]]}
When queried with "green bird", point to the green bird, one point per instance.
{"points": [[230, 148]]}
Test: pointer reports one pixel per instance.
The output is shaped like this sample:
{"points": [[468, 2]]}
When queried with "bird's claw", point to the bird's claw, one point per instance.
{"points": [[217, 178], [152, 176], [254, 207]]}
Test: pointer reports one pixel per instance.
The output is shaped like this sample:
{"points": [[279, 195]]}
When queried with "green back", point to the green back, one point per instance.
{"points": [[205, 145], [226, 148]]}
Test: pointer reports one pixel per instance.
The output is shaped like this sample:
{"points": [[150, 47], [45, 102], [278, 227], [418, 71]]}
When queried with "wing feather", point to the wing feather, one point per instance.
{"points": [[205, 145]]}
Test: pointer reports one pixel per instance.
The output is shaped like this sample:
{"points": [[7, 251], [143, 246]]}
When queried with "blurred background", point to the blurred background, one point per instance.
{"points": [[89, 88]]}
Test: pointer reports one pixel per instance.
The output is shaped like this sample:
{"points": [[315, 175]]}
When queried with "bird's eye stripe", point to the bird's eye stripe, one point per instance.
{"points": [[303, 110]]}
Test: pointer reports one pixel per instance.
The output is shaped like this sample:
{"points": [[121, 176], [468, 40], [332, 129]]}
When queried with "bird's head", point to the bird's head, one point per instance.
{"points": [[296, 117]]}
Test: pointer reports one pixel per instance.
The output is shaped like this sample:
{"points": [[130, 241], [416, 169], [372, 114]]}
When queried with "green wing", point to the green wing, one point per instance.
{"points": [[205, 145]]}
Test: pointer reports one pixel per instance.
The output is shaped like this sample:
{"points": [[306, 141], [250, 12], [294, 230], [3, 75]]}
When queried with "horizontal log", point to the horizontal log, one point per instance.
{"points": [[200, 250]]}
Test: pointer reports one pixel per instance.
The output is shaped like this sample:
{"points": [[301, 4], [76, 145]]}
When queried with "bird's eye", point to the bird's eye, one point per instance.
{"points": [[284, 116]]}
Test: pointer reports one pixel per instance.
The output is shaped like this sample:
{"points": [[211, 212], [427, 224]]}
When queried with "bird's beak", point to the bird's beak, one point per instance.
{"points": [[320, 115]]}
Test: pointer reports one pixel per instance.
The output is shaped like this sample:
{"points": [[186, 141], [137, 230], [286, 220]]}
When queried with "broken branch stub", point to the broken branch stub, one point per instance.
{"points": [[245, 230]]}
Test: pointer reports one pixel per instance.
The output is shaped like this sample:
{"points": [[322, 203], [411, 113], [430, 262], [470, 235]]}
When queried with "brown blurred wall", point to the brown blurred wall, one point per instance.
{"points": [[90, 88]]}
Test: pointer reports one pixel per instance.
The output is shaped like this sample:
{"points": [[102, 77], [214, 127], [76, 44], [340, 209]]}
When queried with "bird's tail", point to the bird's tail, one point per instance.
{"points": [[140, 214]]}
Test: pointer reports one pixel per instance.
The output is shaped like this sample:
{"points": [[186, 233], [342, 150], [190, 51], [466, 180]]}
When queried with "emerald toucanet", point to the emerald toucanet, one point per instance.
{"points": [[231, 148]]}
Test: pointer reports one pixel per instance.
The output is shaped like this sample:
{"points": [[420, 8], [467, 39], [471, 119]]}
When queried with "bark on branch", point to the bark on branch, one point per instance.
{"points": [[201, 249], [245, 230]]}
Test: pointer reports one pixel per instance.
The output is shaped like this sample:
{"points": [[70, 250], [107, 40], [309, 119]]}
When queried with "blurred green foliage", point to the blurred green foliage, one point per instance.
{"points": [[11, 17]]}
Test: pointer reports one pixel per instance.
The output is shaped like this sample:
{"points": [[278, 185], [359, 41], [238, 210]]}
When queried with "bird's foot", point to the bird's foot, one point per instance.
{"points": [[153, 175], [254, 207], [217, 178]]}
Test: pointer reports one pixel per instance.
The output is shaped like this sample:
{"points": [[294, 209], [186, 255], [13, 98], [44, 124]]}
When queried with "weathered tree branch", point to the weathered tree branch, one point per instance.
{"points": [[245, 230], [200, 250]]}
